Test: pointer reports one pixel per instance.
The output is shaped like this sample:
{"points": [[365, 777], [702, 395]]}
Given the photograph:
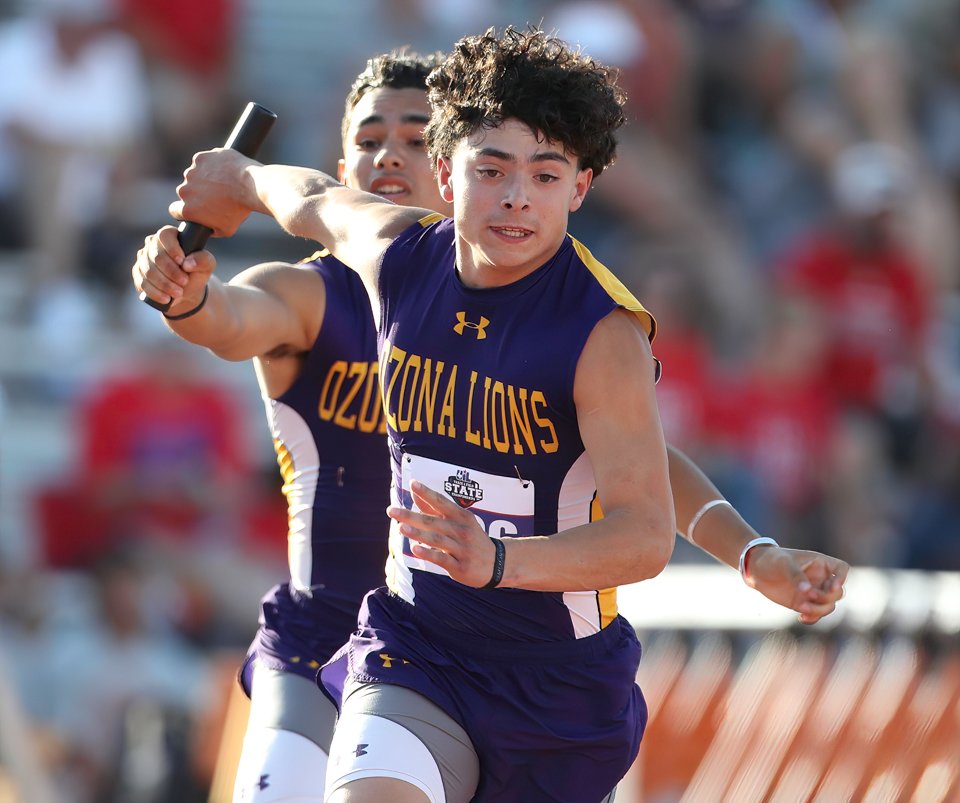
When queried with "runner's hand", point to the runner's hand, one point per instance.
{"points": [[809, 583], [447, 535]]}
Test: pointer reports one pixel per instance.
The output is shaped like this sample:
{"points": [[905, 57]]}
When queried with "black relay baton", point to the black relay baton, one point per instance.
{"points": [[246, 138]]}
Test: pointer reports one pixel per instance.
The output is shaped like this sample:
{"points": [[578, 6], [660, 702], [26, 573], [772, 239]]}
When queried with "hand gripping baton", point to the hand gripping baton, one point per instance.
{"points": [[246, 138]]}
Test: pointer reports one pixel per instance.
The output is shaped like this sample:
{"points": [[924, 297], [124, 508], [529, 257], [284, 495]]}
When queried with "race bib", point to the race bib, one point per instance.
{"points": [[503, 506]]}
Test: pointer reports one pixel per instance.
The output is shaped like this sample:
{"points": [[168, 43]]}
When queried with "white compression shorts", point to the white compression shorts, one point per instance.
{"points": [[285, 747], [388, 731]]}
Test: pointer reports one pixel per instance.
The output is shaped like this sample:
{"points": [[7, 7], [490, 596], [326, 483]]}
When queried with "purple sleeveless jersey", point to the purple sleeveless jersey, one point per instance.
{"points": [[478, 393], [330, 435]]}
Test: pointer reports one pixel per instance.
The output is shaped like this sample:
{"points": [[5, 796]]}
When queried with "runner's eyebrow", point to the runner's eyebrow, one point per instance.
{"points": [[375, 119], [541, 156]]}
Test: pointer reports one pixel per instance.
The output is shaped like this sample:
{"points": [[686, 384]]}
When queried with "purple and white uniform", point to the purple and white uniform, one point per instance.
{"points": [[330, 436], [478, 394]]}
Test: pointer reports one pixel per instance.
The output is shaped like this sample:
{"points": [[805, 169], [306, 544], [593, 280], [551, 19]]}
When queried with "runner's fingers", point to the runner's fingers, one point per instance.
{"points": [[440, 533], [168, 239], [155, 285], [415, 518], [163, 245], [425, 501], [163, 271], [829, 569], [816, 570], [435, 530], [832, 592], [811, 614], [830, 589], [436, 556], [160, 273], [827, 591], [437, 503], [164, 248], [432, 538], [176, 209], [840, 571]]}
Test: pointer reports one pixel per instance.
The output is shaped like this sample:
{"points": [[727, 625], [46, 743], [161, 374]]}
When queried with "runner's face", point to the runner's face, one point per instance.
{"points": [[384, 151], [513, 192]]}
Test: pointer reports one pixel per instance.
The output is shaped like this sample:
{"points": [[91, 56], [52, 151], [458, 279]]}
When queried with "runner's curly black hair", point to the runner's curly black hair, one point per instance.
{"points": [[534, 77]]}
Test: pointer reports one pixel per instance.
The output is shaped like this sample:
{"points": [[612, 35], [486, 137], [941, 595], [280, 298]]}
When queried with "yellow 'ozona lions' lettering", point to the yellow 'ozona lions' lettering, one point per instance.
{"points": [[490, 413], [350, 397], [418, 391]]}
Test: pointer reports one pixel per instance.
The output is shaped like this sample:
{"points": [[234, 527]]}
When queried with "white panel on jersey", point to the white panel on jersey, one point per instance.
{"points": [[292, 433], [584, 612], [574, 509]]}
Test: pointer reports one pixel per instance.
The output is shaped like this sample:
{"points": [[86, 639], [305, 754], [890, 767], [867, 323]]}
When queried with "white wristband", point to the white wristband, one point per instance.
{"points": [[700, 514], [762, 541]]}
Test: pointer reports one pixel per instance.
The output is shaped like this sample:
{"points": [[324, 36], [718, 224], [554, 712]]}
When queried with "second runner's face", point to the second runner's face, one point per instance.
{"points": [[384, 151]]}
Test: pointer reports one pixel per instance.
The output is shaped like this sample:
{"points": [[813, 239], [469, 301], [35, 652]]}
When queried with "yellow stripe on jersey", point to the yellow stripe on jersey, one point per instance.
{"points": [[285, 461], [596, 512], [615, 288], [391, 572], [287, 471], [607, 600], [428, 220], [606, 597], [323, 253]]}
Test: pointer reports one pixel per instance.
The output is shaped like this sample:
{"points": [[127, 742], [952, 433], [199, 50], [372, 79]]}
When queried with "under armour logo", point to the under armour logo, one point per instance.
{"points": [[463, 323], [262, 783], [361, 750], [389, 659]]}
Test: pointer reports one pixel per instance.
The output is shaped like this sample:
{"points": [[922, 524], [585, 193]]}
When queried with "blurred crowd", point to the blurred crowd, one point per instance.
{"points": [[785, 202]]}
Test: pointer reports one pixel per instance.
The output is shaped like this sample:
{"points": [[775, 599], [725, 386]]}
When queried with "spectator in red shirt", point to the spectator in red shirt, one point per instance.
{"points": [[163, 467], [778, 418], [188, 48], [869, 287], [161, 448]]}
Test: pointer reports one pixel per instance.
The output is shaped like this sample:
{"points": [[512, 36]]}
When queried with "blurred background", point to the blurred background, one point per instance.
{"points": [[785, 202]]}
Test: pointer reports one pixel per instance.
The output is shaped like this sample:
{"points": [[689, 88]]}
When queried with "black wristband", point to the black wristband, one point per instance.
{"points": [[194, 311], [499, 561]]}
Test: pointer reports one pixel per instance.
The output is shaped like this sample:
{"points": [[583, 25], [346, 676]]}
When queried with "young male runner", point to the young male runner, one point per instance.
{"points": [[427, 401]]}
